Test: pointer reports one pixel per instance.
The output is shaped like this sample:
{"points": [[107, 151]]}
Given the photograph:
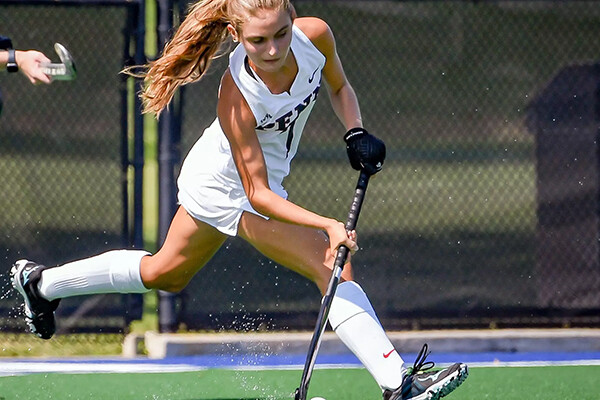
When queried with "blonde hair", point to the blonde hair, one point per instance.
{"points": [[188, 55]]}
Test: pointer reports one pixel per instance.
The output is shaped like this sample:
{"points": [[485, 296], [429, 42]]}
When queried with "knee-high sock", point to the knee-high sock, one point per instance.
{"points": [[353, 319], [116, 271]]}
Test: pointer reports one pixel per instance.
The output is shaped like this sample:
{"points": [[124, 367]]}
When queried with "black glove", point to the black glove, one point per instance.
{"points": [[365, 151]]}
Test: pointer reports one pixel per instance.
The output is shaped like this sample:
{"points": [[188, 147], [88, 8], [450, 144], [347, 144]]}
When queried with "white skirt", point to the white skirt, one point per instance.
{"points": [[216, 205], [210, 188]]}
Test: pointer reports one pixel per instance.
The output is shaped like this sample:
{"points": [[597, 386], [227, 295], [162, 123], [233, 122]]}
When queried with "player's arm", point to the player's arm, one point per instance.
{"points": [[238, 123], [342, 95], [365, 151]]}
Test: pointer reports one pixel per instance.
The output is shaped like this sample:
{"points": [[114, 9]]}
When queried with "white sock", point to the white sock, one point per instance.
{"points": [[353, 319], [116, 271]]}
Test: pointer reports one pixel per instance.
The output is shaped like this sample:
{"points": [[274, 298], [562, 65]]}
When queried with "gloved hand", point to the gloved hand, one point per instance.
{"points": [[365, 151]]}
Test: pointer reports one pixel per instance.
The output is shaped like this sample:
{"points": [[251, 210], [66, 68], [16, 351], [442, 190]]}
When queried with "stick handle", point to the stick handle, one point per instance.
{"points": [[340, 260], [357, 200]]}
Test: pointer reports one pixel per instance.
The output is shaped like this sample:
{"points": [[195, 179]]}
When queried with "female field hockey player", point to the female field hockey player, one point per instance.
{"points": [[231, 181]]}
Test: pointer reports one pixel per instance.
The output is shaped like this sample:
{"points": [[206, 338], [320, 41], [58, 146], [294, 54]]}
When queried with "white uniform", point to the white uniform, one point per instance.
{"points": [[210, 188]]}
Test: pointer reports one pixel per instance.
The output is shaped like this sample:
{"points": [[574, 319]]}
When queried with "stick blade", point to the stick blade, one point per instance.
{"points": [[63, 71]]}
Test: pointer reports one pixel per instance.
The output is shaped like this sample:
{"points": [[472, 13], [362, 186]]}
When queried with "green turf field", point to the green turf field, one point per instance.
{"points": [[502, 383]]}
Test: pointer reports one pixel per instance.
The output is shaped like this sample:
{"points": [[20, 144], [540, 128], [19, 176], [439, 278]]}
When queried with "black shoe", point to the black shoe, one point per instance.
{"points": [[39, 312], [419, 385]]}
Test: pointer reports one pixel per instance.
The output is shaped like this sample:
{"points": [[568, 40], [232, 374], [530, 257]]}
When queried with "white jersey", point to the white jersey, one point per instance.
{"points": [[210, 188]]}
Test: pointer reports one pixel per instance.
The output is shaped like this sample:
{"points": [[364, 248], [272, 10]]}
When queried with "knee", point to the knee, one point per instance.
{"points": [[161, 281], [154, 276], [321, 274]]}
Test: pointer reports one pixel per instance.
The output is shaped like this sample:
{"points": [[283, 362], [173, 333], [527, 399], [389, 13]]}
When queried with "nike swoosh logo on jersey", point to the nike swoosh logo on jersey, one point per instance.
{"points": [[432, 377], [312, 77], [388, 354]]}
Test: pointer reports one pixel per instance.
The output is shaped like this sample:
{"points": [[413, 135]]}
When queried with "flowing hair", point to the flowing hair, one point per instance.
{"points": [[188, 55]]}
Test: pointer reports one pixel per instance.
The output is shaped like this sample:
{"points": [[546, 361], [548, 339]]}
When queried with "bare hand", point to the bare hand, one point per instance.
{"points": [[29, 63], [338, 235]]}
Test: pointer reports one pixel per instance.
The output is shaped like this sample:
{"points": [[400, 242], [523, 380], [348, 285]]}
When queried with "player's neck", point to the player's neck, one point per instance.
{"points": [[279, 81]]}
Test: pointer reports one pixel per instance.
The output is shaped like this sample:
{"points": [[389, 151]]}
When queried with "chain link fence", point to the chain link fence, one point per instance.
{"points": [[486, 211], [65, 152]]}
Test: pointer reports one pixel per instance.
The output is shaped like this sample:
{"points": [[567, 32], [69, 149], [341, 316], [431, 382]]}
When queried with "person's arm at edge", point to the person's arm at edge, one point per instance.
{"points": [[28, 63]]}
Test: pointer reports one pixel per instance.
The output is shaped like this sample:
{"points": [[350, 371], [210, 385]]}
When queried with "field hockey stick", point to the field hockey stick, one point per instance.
{"points": [[63, 71], [340, 260]]}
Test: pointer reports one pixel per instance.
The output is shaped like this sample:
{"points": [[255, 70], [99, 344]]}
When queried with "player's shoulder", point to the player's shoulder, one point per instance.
{"points": [[313, 27], [231, 102], [318, 31], [228, 86], [229, 92]]}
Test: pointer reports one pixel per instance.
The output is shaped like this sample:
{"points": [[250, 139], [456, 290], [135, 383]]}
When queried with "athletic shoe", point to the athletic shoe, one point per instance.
{"points": [[39, 312], [419, 385]]}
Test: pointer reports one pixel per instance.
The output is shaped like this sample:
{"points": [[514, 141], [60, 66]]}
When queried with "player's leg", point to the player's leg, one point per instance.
{"points": [[352, 317], [188, 246], [306, 251], [303, 250]]}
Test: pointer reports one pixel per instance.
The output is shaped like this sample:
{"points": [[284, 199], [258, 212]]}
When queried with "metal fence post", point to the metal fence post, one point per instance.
{"points": [[168, 160], [138, 158], [134, 54]]}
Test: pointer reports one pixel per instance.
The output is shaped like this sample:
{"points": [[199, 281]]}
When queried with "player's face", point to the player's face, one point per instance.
{"points": [[267, 36]]}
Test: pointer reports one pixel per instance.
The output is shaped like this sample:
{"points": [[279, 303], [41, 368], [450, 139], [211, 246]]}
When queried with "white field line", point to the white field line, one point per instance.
{"points": [[22, 368], [12, 368]]}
